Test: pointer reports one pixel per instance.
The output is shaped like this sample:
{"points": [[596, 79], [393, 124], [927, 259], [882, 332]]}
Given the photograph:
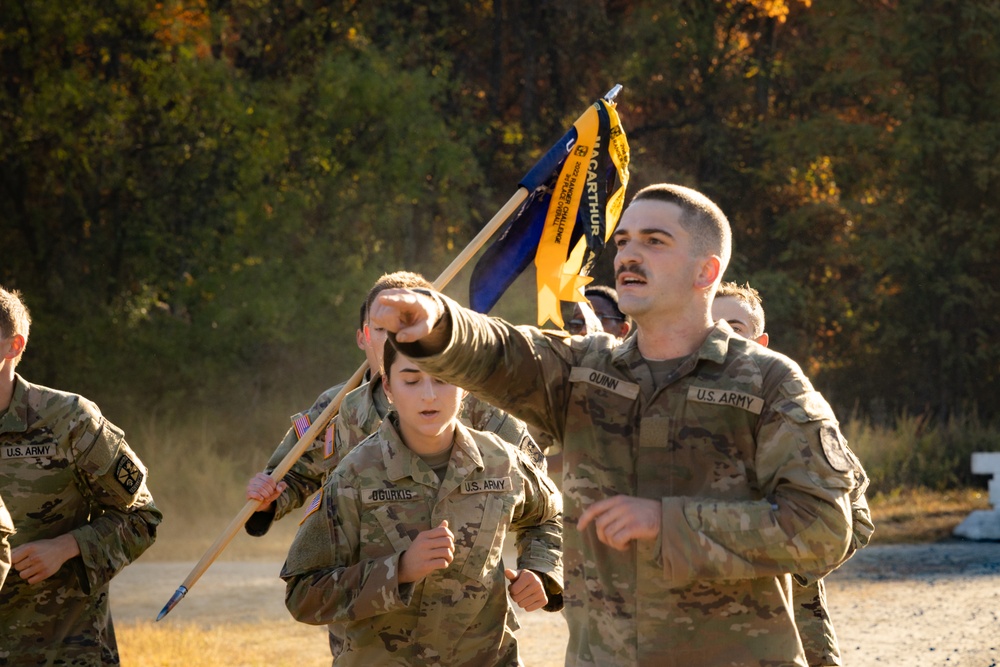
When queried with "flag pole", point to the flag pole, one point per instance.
{"points": [[495, 222], [331, 410]]}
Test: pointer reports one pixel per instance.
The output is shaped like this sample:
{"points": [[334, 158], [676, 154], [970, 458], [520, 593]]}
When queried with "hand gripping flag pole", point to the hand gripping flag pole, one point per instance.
{"points": [[541, 172]]}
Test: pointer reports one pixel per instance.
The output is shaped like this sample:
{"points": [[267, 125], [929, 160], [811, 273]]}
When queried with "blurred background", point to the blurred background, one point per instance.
{"points": [[195, 196]]}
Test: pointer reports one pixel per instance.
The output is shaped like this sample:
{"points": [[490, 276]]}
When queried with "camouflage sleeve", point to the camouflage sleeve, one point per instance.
{"points": [[6, 530], [521, 370], [539, 530], [862, 526], [325, 580], [484, 417], [306, 475], [803, 524], [124, 525], [347, 435], [358, 420]]}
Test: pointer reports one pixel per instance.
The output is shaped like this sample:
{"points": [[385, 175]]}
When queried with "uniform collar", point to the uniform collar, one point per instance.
{"points": [[714, 348], [15, 419], [400, 462]]}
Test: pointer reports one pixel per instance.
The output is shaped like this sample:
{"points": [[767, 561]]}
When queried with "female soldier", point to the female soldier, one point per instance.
{"points": [[404, 541]]}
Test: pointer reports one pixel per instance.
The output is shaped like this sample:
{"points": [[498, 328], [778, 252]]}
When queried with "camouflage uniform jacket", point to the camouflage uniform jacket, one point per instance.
{"points": [[812, 613], [6, 530], [745, 457], [65, 469], [344, 563], [307, 474], [362, 411]]}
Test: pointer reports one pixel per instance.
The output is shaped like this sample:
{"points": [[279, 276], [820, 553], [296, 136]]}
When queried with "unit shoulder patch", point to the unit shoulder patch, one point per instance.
{"points": [[128, 474], [835, 449]]}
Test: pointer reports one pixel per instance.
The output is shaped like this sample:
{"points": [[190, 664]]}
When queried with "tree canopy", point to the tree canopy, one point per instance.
{"points": [[197, 194]]}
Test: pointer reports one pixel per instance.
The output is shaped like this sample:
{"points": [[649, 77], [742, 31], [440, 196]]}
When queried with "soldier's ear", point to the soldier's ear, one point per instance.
{"points": [[14, 347], [708, 273]]}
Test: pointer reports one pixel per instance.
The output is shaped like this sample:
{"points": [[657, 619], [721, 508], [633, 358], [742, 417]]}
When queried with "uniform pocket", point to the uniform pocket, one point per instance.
{"points": [[487, 547], [394, 529]]}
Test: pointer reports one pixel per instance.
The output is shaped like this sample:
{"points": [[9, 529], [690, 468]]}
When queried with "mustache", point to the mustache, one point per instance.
{"points": [[636, 270]]}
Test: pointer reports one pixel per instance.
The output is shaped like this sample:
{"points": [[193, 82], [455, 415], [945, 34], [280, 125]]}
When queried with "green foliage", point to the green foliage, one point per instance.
{"points": [[197, 195], [919, 452], [171, 204]]}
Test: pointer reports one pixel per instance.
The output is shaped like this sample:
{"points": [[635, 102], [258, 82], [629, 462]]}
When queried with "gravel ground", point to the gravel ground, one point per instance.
{"points": [[919, 605], [923, 605]]}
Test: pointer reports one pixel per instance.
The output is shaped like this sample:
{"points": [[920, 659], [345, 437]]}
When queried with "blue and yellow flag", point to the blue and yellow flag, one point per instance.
{"points": [[576, 193]]}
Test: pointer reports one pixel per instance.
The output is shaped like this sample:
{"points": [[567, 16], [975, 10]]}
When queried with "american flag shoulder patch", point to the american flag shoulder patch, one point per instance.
{"points": [[301, 423], [313, 505], [328, 443]]}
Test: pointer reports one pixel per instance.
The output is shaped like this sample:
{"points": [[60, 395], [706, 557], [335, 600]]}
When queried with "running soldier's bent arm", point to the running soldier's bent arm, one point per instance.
{"points": [[306, 475], [321, 586], [116, 479]]}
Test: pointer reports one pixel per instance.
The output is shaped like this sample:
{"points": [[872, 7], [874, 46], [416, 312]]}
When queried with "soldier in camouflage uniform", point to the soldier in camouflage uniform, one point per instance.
{"points": [[77, 494], [405, 543], [6, 530], [700, 470], [741, 307], [302, 480], [360, 414]]}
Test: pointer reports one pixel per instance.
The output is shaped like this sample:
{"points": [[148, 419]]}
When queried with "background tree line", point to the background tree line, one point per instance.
{"points": [[196, 194]]}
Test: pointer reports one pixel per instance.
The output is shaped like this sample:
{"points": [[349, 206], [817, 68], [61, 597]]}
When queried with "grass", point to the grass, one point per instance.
{"points": [[233, 645], [908, 516]]}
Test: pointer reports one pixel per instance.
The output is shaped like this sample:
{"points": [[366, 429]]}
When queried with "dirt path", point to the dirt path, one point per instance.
{"points": [[905, 605]]}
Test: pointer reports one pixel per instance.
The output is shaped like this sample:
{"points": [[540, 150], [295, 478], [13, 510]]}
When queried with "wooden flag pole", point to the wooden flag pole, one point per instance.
{"points": [[331, 410]]}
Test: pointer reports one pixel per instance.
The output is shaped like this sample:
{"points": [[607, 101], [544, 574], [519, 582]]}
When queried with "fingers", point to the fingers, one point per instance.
{"points": [[596, 510], [264, 489], [526, 589], [533, 602], [409, 315], [19, 555], [613, 527], [440, 551], [436, 546], [259, 486], [621, 519], [30, 565], [431, 550]]}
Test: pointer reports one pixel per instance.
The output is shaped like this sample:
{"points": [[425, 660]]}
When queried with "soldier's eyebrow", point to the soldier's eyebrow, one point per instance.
{"points": [[645, 231]]}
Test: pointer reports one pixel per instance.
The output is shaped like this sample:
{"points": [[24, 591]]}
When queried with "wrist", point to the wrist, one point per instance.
{"points": [[68, 546]]}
